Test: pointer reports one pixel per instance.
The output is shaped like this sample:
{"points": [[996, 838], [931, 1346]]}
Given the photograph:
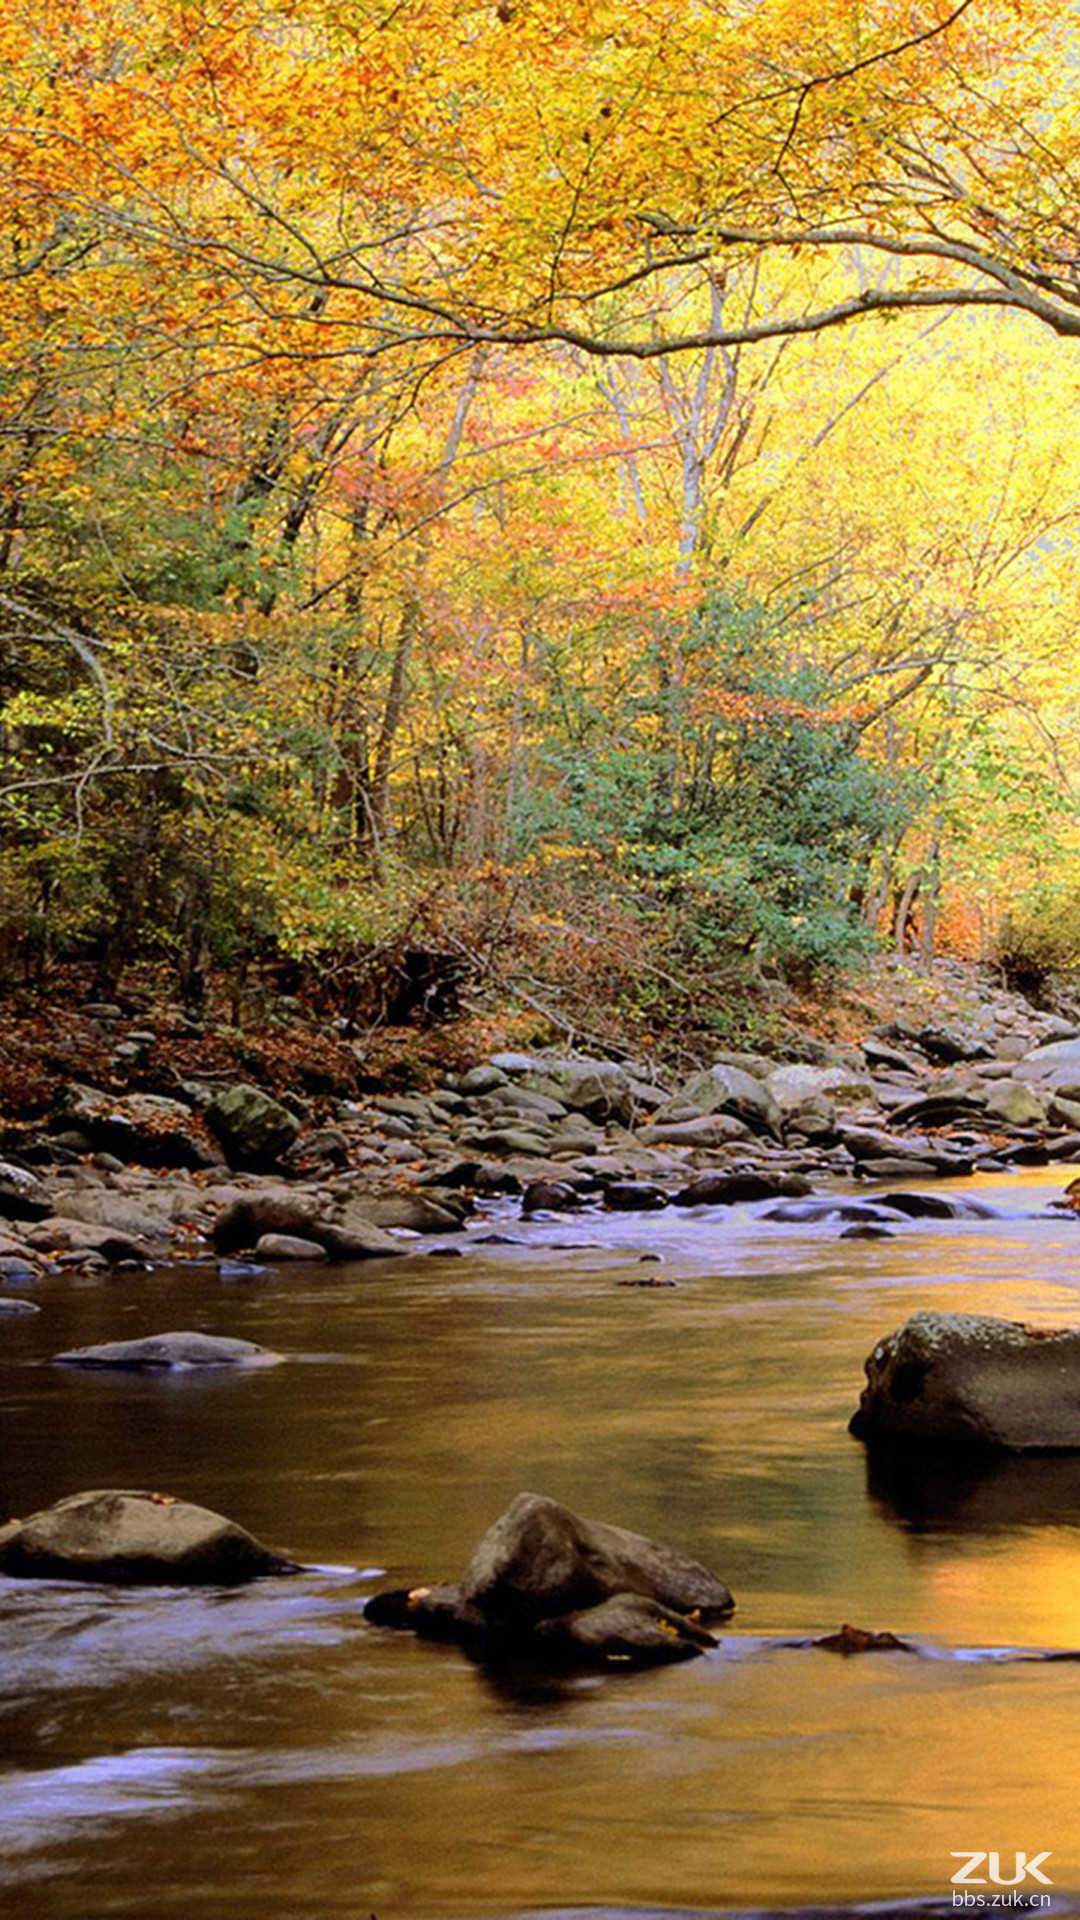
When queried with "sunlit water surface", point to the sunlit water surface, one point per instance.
{"points": [[265, 1755]]}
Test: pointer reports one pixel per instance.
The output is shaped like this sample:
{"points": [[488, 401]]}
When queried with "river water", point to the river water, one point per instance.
{"points": [[265, 1755]]}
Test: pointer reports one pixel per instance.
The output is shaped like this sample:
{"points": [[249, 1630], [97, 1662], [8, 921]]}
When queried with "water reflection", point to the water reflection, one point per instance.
{"points": [[974, 1494], [272, 1754]]}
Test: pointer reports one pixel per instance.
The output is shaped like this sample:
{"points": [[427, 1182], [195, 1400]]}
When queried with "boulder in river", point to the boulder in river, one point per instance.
{"points": [[549, 1196], [547, 1584], [540, 1559], [175, 1352], [967, 1382], [135, 1539]]}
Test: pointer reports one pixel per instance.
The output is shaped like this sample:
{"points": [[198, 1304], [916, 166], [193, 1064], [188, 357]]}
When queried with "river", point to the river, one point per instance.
{"points": [[266, 1755]]}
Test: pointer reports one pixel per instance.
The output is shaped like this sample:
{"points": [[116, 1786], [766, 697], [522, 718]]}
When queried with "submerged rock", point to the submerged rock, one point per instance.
{"points": [[135, 1539], [967, 1381], [545, 1583], [861, 1640], [179, 1352]]}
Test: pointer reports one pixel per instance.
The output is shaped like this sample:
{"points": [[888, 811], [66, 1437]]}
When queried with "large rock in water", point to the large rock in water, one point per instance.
{"points": [[135, 1539], [541, 1559], [254, 1129], [546, 1584], [964, 1381]]}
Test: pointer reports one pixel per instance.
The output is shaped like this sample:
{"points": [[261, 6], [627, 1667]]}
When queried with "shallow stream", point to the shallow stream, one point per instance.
{"points": [[265, 1755]]}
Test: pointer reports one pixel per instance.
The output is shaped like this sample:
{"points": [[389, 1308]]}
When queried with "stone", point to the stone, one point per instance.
{"points": [[599, 1088], [829, 1207], [361, 1240], [22, 1195], [727, 1089], [628, 1630], [967, 1382], [943, 1109], [435, 1613], [145, 1128], [798, 1086], [16, 1266], [851, 1640], [735, 1189], [511, 1063], [135, 1538], [1061, 1058], [634, 1196], [136, 1218], [318, 1148], [59, 1234], [546, 1585], [11, 1308], [1016, 1104], [288, 1246], [707, 1130], [174, 1352], [549, 1196], [947, 1045], [540, 1559], [889, 1169], [244, 1220], [937, 1206], [484, 1079], [417, 1212], [879, 1053], [521, 1102], [254, 1129], [509, 1140]]}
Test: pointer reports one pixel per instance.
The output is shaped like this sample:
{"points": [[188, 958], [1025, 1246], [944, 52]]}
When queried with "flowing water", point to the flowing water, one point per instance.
{"points": [[265, 1755]]}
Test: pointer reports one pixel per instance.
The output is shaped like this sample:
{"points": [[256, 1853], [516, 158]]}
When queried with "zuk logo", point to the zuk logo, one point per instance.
{"points": [[1023, 1869]]}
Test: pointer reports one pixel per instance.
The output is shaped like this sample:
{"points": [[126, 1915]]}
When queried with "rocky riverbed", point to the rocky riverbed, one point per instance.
{"points": [[115, 1174]]}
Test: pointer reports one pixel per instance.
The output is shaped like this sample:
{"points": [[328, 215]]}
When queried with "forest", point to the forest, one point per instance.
{"points": [[539, 958], [540, 496]]}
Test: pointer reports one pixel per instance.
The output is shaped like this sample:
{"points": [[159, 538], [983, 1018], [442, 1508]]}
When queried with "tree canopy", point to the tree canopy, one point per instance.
{"points": [[436, 439]]}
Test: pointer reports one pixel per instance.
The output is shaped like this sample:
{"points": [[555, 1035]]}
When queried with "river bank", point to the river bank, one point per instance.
{"points": [[132, 1137]]}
